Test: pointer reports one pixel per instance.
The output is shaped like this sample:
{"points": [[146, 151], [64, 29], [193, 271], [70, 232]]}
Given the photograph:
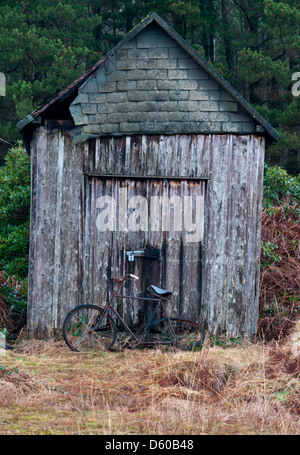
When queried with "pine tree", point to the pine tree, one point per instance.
{"points": [[45, 45]]}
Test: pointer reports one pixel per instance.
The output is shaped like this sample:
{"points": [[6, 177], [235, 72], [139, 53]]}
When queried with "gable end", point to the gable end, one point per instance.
{"points": [[152, 85], [153, 57]]}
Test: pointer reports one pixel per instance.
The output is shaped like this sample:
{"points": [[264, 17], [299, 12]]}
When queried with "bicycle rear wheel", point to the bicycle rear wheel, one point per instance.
{"points": [[189, 334], [84, 329]]}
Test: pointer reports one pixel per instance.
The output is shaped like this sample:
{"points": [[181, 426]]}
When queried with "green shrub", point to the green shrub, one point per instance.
{"points": [[268, 254], [14, 212], [17, 304], [280, 189]]}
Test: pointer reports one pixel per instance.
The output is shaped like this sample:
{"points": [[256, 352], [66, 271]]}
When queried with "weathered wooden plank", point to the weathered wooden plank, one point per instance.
{"points": [[42, 234], [55, 255], [68, 246], [33, 228], [177, 155], [232, 242]]}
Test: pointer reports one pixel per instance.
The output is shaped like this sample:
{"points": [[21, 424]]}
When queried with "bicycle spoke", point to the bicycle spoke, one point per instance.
{"points": [[85, 329], [189, 335]]}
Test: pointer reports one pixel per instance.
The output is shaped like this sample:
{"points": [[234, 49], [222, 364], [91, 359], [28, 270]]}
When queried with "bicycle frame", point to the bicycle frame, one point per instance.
{"points": [[109, 309]]}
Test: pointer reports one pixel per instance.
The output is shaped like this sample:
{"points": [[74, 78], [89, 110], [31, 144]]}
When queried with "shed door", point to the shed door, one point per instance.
{"points": [[134, 214]]}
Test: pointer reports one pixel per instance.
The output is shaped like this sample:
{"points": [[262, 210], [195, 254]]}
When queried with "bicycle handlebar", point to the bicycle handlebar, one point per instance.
{"points": [[118, 279], [134, 276]]}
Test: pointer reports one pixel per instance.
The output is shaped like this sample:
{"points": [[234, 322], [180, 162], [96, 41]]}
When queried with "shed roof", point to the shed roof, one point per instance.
{"points": [[153, 17]]}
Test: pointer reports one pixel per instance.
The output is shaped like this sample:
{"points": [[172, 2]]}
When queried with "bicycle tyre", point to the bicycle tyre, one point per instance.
{"points": [[189, 334], [81, 333]]}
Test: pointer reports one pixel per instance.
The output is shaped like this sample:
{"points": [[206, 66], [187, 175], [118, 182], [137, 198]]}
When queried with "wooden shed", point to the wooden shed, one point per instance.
{"points": [[151, 127]]}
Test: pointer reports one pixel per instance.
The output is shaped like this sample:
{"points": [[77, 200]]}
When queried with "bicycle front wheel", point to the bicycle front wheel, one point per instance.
{"points": [[84, 329], [189, 334]]}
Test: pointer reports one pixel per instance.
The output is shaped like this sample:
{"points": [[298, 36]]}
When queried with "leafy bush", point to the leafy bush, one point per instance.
{"points": [[268, 254], [280, 189], [17, 304], [14, 212], [13, 304]]}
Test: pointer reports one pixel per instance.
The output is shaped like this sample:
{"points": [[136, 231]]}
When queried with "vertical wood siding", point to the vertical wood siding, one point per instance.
{"points": [[65, 257], [179, 265], [55, 270]]}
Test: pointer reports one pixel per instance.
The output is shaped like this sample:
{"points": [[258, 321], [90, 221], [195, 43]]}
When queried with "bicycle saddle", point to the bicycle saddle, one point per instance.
{"points": [[160, 291]]}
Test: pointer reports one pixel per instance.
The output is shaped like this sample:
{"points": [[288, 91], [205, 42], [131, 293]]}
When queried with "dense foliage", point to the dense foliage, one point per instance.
{"points": [[280, 188], [46, 44], [14, 212]]}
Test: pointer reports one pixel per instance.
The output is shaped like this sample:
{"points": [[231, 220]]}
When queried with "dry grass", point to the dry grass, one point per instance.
{"points": [[252, 389], [249, 389]]}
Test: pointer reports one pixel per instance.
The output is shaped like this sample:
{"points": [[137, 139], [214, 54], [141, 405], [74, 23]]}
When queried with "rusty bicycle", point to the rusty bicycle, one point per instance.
{"points": [[92, 328]]}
